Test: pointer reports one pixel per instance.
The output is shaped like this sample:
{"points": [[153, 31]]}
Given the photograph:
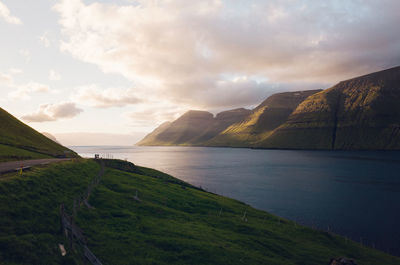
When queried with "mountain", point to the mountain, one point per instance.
{"points": [[19, 141], [50, 136], [151, 138], [194, 128], [270, 114], [238, 127], [362, 113]]}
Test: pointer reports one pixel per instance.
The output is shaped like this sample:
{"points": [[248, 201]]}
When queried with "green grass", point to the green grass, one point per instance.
{"points": [[14, 133], [174, 223], [10, 153], [29, 205]]}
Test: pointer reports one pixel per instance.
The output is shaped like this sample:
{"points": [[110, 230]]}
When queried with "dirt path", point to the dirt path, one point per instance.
{"points": [[14, 165]]}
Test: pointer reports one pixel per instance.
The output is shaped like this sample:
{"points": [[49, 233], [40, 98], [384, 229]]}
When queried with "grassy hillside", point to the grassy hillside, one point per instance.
{"points": [[10, 153], [173, 223], [270, 114], [358, 114], [29, 206], [19, 141]]}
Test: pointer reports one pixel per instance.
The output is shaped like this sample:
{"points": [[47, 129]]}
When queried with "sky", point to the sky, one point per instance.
{"points": [[108, 72]]}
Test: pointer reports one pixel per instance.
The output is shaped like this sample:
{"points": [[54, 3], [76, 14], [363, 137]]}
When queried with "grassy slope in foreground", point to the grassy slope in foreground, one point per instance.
{"points": [[19, 141], [29, 207], [172, 225]]}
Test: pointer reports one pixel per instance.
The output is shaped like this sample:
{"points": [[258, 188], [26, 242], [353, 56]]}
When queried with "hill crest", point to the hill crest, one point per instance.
{"points": [[19, 141]]}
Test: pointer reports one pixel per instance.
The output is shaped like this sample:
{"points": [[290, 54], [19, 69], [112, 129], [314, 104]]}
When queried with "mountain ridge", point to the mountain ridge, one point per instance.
{"points": [[184, 130], [360, 113], [267, 116]]}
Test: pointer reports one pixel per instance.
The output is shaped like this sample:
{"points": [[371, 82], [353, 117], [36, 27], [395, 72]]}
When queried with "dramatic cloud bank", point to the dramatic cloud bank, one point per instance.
{"points": [[216, 53], [53, 112]]}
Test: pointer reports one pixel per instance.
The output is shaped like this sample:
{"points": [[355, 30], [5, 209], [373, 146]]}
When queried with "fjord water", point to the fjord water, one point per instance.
{"points": [[355, 194]]}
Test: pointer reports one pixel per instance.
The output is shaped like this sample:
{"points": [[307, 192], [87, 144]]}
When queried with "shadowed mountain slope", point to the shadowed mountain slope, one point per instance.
{"points": [[151, 138], [193, 128], [270, 114], [19, 141], [362, 113]]}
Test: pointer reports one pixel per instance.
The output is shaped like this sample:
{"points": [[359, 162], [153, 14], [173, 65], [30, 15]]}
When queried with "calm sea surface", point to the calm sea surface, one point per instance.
{"points": [[356, 194]]}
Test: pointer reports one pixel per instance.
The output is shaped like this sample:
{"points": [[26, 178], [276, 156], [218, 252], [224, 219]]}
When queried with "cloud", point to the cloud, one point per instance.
{"points": [[53, 112], [54, 76], [147, 117], [189, 52], [45, 40], [93, 95], [6, 79], [6, 15], [15, 71], [23, 92], [237, 91], [25, 53]]}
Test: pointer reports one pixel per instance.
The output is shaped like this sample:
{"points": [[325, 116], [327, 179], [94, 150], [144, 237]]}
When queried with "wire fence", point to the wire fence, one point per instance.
{"points": [[71, 230]]}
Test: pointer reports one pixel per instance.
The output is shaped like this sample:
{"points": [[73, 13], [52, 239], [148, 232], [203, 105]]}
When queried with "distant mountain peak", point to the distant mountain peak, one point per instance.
{"points": [[50, 136]]}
